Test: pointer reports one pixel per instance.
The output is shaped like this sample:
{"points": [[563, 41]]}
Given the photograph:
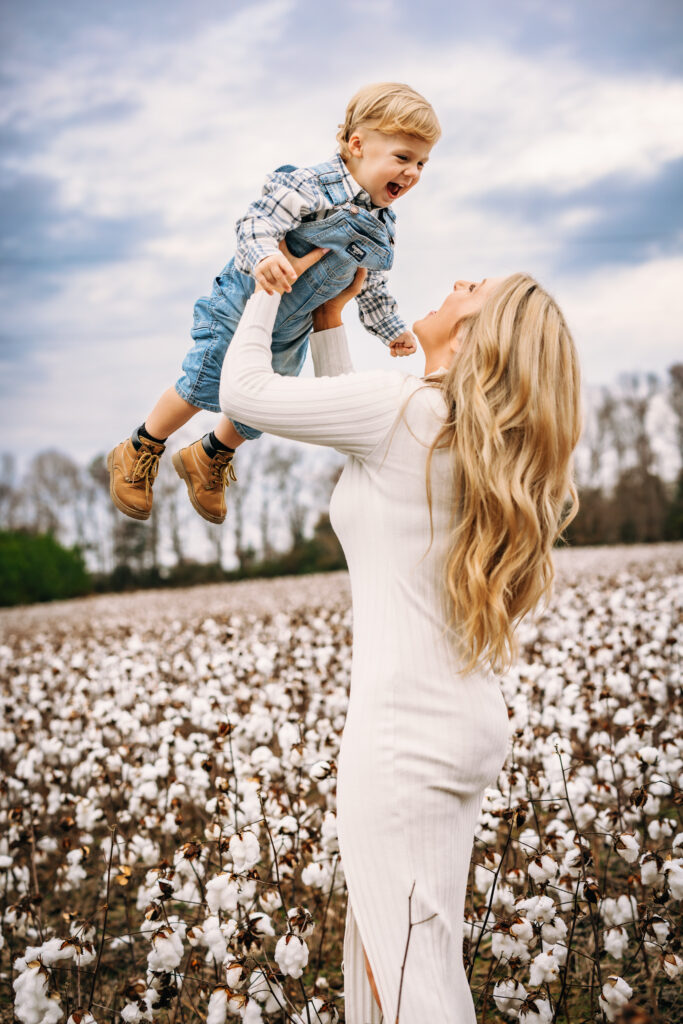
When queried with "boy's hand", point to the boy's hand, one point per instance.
{"points": [[275, 273], [404, 345]]}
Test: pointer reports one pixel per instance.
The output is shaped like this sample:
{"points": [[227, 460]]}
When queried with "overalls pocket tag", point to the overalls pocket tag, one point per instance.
{"points": [[356, 250]]}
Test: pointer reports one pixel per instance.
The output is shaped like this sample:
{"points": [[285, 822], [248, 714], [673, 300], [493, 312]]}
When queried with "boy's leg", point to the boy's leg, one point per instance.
{"points": [[226, 433], [206, 467], [133, 463], [169, 414]]}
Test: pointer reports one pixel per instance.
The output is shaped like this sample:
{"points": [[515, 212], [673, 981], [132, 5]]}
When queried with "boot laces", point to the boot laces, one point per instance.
{"points": [[146, 468], [223, 469]]}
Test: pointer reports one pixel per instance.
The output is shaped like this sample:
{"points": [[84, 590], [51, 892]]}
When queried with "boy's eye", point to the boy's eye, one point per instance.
{"points": [[472, 287]]}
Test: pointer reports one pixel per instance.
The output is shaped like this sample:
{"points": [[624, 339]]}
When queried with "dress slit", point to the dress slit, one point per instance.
{"points": [[359, 1000]]}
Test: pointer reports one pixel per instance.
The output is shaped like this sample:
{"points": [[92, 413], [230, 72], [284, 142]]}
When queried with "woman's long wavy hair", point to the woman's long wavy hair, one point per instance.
{"points": [[514, 419]]}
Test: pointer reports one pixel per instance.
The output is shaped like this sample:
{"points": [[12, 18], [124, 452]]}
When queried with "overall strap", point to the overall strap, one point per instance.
{"points": [[331, 182]]}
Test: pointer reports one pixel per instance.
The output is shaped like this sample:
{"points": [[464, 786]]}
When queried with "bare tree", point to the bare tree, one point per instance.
{"points": [[8, 491], [676, 401]]}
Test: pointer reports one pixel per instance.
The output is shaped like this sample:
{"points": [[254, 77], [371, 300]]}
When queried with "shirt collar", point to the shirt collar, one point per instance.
{"points": [[436, 373], [351, 186]]}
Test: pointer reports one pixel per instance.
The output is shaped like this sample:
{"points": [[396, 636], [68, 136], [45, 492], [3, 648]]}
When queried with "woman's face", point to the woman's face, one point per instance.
{"points": [[439, 327]]}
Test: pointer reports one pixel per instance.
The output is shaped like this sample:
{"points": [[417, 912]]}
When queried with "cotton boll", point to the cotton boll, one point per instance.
{"points": [[584, 814], [288, 735], [522, 929], [83, 1018], [503, 898], [627, 846], [535, 1011], [544, 968], [529, 840], [234, 972], [317, 1010], [245, 851], [673, 870], [260, 924], [270, 900], [543, 868], [166, 952], [250, 1013], [218, 1006], [328, 832], [616, 942], [661, 829], [553, 932], [615, 994], [657, 932], [650, 870], [221, 893], [484, 873], [537, 908], [214, 937], [505, 947], [291, 954], [317, 875], [672, 965], [623, 910], [32, 1005], [265, 988], [508, 996], [300, 921]]}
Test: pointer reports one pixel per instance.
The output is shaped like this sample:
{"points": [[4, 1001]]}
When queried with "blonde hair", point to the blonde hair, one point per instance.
{"points": [[389, 107], [514, 419]]}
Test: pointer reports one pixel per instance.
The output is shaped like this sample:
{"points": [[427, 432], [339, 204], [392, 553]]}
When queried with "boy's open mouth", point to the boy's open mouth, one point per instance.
{"points": [[393, 189]]}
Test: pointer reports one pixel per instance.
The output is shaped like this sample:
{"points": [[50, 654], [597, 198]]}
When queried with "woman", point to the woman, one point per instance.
{"points": [[447, 509]]}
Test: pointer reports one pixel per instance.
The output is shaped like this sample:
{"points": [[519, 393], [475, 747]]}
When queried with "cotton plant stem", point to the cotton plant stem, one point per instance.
{"points": [[104, 922], [594, 925], [327, 907], [177, 1008], [411, 924], [490, 903], [34, 872]]}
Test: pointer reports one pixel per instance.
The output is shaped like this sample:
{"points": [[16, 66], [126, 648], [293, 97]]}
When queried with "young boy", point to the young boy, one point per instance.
{"points": [[344, 206]]}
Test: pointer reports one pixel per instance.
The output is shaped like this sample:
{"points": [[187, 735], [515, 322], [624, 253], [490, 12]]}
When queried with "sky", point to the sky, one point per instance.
{"points": [[133, 135]]}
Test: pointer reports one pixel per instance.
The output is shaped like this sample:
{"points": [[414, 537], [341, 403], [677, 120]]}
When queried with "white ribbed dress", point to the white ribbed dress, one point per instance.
{"points": [[420, 742]]}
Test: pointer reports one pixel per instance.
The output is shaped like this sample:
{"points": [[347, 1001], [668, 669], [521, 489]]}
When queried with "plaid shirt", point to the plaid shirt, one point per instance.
{"points": [[288, 198]]}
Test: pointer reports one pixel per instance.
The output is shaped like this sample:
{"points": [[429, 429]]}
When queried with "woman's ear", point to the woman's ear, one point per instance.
{"points": [[456, 337]]}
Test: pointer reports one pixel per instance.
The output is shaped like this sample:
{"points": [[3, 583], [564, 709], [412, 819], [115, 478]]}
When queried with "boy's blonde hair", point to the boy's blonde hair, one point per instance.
{"points": [[389, 107]]}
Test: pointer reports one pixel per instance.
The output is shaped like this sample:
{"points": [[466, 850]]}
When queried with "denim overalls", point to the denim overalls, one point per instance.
{"points": [[355, 239]]}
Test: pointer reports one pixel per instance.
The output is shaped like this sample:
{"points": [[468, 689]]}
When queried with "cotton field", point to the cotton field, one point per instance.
{"points": [[168, 847]]}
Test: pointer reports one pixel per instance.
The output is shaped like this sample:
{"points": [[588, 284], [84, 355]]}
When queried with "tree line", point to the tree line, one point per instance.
{"points": [[60, 535]]}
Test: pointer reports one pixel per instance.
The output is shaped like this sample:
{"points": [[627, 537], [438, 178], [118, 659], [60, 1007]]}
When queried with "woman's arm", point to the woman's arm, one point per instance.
{"points": [[352, 412], [330, 352], [329, 344]]}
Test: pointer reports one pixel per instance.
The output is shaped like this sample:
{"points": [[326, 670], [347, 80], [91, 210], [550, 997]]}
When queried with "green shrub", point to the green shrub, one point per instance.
{"points": [[35, 567]]}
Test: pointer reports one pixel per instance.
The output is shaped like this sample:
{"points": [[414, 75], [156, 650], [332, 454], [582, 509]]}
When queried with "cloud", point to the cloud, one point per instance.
{"points": [[625, 318], [617, 219], [130, 155]]}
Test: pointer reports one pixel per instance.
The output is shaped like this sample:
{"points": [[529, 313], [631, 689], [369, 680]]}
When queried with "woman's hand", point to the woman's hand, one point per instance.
{"points": [[329, 314], [277, 273]]}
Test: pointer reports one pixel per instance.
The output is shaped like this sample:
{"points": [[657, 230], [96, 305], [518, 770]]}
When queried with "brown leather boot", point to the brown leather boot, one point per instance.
{"points": [[132, 472], [206, 477]]}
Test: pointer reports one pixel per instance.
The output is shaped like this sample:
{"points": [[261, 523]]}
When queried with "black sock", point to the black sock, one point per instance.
{"points": [[212, 446], [143, 432]]}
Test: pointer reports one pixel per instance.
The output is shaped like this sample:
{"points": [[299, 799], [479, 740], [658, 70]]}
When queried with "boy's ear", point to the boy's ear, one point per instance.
{"points": [[355, 144]]}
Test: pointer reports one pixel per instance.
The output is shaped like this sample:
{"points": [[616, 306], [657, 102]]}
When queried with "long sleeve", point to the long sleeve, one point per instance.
{"points": [[330, 352], [288, 196], [352, 412], [378, 309]]}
